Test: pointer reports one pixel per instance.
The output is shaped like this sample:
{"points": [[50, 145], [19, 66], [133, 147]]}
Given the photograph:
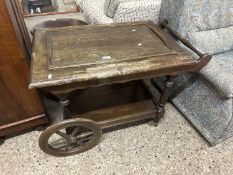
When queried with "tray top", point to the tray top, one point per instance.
{"points": [[80, 47], [84, 53]]}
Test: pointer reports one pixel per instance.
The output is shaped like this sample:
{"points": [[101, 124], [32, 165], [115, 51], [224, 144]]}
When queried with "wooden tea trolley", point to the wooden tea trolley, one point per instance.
{"points": [[101, 76]]}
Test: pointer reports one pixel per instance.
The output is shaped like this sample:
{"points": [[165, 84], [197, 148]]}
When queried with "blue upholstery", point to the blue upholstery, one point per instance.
{"points": [[207, 103]]}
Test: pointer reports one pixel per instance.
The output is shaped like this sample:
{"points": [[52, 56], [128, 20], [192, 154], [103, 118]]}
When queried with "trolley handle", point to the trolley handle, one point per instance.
{"points": [[204, 57]]}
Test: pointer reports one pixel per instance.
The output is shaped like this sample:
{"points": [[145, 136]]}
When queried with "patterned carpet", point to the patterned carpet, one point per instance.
{"points": [[174, 147]]}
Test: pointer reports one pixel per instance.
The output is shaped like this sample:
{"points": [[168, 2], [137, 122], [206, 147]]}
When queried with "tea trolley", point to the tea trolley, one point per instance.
{"points": [[101, 76]]}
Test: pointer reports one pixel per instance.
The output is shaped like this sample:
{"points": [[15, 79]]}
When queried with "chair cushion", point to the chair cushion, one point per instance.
{"points": [[213, 41], [209, 15], [111, 6], [143, 10], [93, 12], [219, 72]]}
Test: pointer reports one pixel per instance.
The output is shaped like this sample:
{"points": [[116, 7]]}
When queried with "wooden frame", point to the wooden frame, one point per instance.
{"points": [[21, 108], [20, 26]]}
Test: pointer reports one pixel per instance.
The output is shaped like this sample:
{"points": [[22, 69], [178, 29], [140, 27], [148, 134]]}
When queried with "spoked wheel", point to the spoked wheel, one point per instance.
{"points": [[70, 137]]}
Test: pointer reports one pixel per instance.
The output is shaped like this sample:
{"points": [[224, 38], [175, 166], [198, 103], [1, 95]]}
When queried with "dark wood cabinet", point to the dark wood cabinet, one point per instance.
{"points": [[20, 108]]}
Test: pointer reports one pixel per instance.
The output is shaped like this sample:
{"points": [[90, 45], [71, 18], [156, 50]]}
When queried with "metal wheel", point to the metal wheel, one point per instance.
{"points": [[83, 135]]}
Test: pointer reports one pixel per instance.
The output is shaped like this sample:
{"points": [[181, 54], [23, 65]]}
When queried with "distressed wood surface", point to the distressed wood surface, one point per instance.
{"points": [[98, 46], [102, 54]]}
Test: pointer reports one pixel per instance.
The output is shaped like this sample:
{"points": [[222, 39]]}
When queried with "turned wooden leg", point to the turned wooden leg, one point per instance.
{"points": [[64, 102], [164, 98]]}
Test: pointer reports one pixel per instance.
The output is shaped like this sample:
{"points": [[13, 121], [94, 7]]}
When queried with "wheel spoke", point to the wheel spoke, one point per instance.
{"points": [[63, 147], [75, 131], [58, 143], [62, 134], [67, 145], [84, 135], [80, 143]]}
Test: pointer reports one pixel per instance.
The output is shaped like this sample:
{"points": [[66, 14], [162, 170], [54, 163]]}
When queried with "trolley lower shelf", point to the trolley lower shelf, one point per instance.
{"points": [[114, 104]]}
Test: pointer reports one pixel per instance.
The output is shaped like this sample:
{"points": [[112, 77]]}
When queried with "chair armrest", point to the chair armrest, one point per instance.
{"points": [[204, 57], [140, 10]]}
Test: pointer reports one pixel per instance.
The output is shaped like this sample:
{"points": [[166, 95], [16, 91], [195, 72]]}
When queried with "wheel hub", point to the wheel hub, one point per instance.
{"points": [[73, 140]]}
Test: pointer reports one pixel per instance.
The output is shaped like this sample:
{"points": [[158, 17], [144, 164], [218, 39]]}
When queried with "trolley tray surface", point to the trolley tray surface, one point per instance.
{"points": [[83, 47], [92, 53]]}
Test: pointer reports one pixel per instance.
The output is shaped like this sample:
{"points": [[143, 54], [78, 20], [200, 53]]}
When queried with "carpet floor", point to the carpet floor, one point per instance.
{"points": [[173, 147]]}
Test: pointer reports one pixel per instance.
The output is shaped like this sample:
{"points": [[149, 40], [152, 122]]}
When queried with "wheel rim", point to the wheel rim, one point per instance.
{"points": [[70, 137]]}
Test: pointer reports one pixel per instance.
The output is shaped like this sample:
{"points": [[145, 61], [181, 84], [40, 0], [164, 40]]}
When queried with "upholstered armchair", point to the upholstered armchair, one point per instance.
{"points": [[206, 99], [111, 11]]}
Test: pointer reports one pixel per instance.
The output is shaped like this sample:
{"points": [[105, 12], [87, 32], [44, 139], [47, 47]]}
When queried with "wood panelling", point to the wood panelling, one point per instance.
{"points": [[18, 104]]}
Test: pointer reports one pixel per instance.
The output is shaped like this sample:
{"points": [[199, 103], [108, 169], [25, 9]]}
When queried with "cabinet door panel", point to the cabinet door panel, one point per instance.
{"points": [[20, 108]]}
